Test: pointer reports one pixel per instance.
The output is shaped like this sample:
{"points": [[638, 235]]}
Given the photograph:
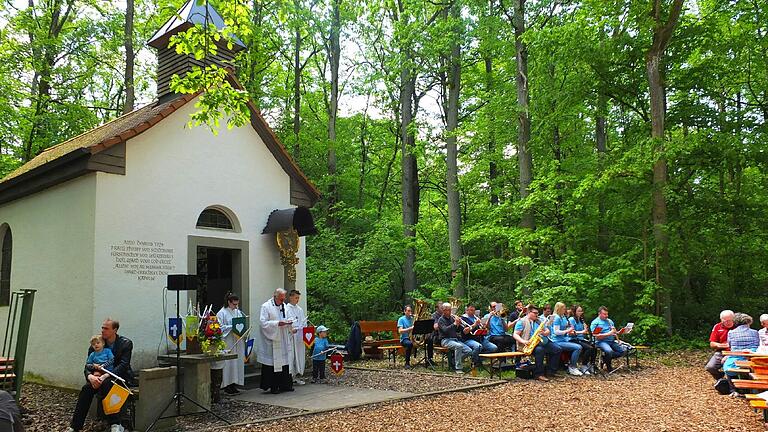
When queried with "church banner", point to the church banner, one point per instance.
{"points": [[309, 336], [337, 363], [114, 400], [239, 326], [248, 350], [175, 331]]}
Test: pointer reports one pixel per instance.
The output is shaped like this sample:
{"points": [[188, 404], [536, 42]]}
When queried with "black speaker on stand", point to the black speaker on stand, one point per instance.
{"points": [[178, 283]]}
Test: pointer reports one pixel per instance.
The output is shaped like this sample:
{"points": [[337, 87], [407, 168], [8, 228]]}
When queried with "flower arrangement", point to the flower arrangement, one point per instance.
{"points": [[211, 341]]}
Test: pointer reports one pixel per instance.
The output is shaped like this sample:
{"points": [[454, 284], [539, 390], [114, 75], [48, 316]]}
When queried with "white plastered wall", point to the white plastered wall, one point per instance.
{"points": [[173, 172], [53, 236]]}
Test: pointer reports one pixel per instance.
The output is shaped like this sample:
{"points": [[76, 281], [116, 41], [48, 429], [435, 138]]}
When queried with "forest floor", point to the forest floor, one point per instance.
{"points": [[671, 392]]}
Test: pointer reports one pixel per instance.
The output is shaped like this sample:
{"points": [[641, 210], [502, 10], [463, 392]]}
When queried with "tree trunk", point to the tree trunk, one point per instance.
{"points": [[129, 58], [42, 76], [452, 122], [493, 171], [334, 57], [524, 158], [601, 140], [296, 88], [661, 36], [409, 185]]}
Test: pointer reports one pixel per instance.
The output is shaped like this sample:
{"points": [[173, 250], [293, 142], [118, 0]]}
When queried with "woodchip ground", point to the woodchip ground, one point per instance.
{"points": [[670, 393]]}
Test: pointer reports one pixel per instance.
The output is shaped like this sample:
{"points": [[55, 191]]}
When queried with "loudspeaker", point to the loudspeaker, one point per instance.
{"points": [[182, 282]]}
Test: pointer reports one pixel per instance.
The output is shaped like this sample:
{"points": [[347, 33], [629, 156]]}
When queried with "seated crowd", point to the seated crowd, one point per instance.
{"points": [[734, 333], [565, 330]]}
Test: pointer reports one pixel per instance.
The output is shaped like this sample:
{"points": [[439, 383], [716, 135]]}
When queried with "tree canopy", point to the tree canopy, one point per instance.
{"points": [[594, 152]]}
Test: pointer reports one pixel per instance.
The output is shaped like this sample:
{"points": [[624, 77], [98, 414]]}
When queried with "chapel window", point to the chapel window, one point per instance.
{"points": [[213, 218]]}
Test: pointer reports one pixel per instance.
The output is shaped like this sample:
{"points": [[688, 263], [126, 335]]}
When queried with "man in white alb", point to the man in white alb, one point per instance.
{"points": [[295, 313], [275, 344]]}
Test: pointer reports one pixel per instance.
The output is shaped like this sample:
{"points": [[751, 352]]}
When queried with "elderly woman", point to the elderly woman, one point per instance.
{"points": [[763, 333], [741, 338]]}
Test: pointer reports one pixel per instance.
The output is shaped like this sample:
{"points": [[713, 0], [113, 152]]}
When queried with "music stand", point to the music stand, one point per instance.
{"points": [[424, 327], [181, 283]]}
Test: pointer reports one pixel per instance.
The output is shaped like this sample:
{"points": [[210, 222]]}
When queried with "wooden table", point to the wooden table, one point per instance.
{"points": [[496, 358], [196, 382], [744, 354]]}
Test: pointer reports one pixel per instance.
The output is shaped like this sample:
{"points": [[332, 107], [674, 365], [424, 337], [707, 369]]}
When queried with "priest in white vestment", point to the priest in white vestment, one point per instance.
{"points": [[234, 369], [275, 343], [296, 313]]}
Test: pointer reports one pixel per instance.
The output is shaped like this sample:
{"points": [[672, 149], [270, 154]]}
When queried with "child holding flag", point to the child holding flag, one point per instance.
{"points": [[319, 354]]}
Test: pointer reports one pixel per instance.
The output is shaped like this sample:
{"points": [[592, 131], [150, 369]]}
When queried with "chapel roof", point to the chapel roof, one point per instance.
{"points": [[123, 128]]}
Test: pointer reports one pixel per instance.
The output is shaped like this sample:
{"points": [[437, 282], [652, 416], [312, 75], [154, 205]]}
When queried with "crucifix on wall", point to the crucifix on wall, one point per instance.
{"points": [[288, 245]]}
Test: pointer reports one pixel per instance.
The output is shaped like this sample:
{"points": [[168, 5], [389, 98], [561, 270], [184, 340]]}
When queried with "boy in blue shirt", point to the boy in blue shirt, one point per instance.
{"points": [[605, 338], [101, 357], [319, 354], [405, 327]]}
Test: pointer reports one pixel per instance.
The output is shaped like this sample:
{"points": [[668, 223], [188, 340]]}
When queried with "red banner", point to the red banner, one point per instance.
{"points": [[309, 336], [337, 363]]}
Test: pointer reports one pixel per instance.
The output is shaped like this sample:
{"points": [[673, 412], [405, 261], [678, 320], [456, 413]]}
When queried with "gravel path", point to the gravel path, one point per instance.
{"points": [[401, 380], [673, 394]]}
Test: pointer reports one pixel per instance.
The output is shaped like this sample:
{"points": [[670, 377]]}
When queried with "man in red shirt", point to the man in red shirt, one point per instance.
{"points": [[718, 341]]}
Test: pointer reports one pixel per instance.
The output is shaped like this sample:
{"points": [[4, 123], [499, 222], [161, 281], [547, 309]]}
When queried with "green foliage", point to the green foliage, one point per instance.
{"points": [[594, 241]]}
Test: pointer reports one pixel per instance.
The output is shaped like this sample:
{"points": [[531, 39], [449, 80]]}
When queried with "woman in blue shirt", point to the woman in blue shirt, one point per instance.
{"points": [[579, 336], [562, 331]]}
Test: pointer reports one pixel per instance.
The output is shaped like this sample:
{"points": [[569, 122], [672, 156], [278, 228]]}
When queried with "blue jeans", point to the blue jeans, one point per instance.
{"points": [[477, 347], [459, 350], [551, 350], [611, 350], [408, 346], [575, 350]]}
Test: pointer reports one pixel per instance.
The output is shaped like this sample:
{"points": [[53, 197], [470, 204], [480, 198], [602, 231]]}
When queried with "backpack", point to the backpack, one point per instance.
{"points": [[723, 386]]}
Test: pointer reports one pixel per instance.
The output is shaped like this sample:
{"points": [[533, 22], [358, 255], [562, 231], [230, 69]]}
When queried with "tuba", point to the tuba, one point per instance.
{"points": [[420, 312]]}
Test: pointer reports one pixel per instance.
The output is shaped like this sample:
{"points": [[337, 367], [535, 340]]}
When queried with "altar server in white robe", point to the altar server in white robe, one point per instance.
{"points": [[296, 313], [275, 344], [234, 369]]}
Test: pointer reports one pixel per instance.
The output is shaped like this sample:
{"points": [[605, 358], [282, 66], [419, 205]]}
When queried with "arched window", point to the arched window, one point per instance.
{"points": [[214, 218], [5, 268]]}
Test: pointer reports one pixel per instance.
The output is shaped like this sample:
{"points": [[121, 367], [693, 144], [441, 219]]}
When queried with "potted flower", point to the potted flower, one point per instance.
{"points": [[211, 341]]}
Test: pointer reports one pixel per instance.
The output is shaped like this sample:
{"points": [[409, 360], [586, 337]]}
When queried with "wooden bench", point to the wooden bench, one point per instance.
{"points": [[759, 404], [391, 352], [369, 328], [494, 360], [746, 384]]}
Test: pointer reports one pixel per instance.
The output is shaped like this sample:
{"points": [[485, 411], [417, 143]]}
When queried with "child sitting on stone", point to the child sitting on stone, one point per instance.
{"points": [[100, 359]]}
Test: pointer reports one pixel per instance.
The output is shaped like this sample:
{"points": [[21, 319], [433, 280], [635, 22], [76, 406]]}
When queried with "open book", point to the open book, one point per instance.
{"points": [[627, 328]]}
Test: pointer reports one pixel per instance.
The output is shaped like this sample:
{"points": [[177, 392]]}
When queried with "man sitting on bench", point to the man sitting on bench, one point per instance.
{"points": [[605, 337], [122, 348], [473, 338], [718, 340]]}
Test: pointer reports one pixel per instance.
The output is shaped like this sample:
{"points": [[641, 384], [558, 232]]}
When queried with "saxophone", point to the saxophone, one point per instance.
{"points": [[535, 339]]}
